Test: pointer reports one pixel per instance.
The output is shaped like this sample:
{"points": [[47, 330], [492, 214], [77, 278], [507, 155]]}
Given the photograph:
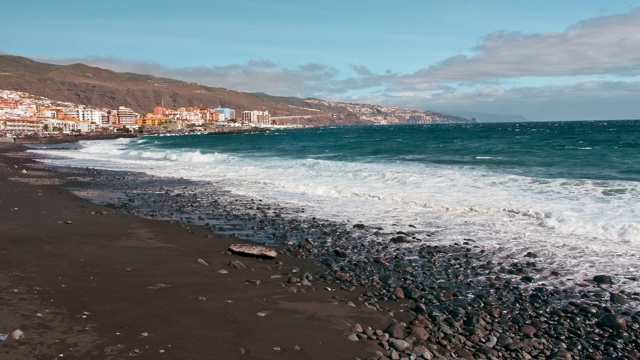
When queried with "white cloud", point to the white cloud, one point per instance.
{"points": [[606, 45], [584, 100], [583, 55]]}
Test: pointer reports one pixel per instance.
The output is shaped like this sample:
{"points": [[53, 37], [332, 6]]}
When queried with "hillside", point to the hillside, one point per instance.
{"points": [[92, 86]]}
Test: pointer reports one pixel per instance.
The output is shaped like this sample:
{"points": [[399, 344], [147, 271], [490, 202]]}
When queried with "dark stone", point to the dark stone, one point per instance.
{"points": [[400, 239], [531, 255], [464, 354], [395, 330], [560, 355], [527, 279], [420, 309], [613, 322], [616, 298], [305, 244], [420, 333], [411, 293], [341, 253], [297, 253], [603, 279], [504, 340], [327, 261], [387, 279], [528, 330]]}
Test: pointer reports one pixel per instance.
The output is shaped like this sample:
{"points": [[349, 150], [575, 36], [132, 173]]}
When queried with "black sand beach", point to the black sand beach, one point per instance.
{"points": [[89, 281]]}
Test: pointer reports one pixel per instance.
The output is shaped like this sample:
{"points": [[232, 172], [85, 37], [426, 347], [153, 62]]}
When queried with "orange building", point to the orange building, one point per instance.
{"points": [[159, 110], [151, 120]]}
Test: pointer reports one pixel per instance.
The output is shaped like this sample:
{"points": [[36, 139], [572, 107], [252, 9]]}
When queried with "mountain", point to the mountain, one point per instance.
{"points": [[103, 88]]}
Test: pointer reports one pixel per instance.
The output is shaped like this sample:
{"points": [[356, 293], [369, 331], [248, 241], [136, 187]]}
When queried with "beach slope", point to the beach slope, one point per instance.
{"points": [[83, 281]]}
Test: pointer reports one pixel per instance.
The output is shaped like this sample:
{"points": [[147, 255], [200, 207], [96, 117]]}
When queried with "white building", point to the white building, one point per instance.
{"points": [[256, 117], [83, 114], [20, 125], [127, 116]]}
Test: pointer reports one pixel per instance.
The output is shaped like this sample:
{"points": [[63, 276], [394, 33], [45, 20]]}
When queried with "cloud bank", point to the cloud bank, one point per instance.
{"points": [[598, 61]]}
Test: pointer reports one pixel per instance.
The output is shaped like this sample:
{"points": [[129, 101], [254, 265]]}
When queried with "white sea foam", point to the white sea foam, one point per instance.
{"points": [[581, 227]]}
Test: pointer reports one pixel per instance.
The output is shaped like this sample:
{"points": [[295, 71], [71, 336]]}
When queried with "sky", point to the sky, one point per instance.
{"points": [[544, 60]]}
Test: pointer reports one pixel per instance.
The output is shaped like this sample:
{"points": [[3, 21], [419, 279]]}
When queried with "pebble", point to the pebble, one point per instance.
{"points": [[399, 344], [603, 279], [158, 286], [457, 296], [353, 337], [237, 264], [17, 334]]}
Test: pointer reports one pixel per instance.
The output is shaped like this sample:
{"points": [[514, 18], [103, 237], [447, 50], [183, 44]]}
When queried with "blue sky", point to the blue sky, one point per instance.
{"points": [[545, 60]]}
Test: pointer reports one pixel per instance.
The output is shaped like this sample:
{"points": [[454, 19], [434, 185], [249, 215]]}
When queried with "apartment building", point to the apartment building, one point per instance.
{"points": [[127, 116], [256, 117]]}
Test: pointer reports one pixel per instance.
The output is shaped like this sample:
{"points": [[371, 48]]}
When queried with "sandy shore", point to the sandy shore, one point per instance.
{"points": [[82, 281]]}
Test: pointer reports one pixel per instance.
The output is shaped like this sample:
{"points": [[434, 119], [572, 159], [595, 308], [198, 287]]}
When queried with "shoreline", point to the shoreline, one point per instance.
{"points": [[62, 139], [450, 303], [84, 281]]}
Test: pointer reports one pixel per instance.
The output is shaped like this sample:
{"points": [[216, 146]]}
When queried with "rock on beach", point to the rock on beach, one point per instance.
{"points": [[253, 250]]}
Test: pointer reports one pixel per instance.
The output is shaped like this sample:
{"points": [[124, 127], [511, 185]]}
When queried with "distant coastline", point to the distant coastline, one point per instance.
{"points": [[64, 138]]}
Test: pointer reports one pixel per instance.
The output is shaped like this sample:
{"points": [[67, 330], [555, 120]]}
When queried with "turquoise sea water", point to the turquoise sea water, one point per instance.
{"points": [[569, 191], [577, 150]]}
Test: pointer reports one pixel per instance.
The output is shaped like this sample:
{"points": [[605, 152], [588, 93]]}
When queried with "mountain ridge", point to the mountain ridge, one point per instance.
{"points": [[103, 88]]}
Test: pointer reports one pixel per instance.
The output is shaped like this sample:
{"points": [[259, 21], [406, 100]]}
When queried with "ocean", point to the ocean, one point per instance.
{"points": [[567, 191]]}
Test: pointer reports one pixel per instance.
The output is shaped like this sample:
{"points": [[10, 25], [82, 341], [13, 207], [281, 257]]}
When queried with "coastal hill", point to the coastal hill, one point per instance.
{"points": [[103, 88]]}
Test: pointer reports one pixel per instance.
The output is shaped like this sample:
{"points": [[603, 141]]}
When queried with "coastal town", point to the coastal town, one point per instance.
{"points": [[23, 114], [26, 115]]}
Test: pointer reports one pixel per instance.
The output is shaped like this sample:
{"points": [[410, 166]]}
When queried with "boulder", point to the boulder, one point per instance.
{"points": [[253, 250]]}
